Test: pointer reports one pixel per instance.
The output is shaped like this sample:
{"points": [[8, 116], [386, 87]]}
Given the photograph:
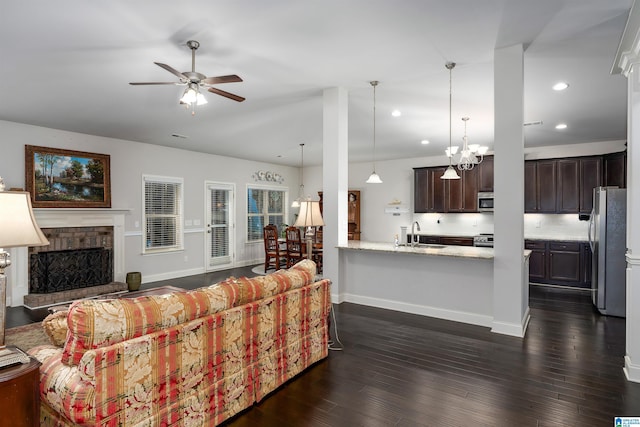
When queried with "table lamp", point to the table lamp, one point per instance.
{"points": [[309, 217], [17, 228]]}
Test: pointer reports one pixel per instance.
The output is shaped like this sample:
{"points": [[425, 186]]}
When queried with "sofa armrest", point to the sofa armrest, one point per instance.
{"points": [[63, 388]]}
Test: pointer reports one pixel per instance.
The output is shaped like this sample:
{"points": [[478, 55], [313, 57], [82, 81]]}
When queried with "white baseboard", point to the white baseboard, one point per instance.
{"points": [[456, 316], [631, 371], [512, 329], [147, 278]]}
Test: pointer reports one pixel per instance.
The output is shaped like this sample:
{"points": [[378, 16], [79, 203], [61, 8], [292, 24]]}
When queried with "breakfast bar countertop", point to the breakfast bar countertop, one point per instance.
{"points": [[424, 249]]}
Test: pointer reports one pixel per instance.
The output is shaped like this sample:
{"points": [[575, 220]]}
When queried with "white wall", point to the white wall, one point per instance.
{"points": [[129, 161]]}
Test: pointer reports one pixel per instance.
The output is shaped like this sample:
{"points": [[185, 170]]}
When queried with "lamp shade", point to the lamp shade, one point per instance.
{"points": [[18, 225], [309, 215]]}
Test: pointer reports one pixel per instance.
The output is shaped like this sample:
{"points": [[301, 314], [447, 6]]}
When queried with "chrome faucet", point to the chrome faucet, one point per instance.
{"points": [[413, 236]]}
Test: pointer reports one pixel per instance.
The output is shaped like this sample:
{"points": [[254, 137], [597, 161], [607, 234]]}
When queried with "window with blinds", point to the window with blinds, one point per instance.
{"points": [[264, 206], [163, 218]]}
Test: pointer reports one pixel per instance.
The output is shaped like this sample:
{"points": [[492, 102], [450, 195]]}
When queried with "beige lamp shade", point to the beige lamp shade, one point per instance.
{"points": [[18, 225], [309, 215]]}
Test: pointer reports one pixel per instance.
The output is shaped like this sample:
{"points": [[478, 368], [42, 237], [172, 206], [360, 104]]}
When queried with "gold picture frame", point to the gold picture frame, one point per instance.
{"points": [[58, 178]]}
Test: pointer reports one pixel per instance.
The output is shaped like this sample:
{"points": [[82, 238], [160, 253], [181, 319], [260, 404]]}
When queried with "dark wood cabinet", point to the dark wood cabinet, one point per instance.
{"points": [[537, 260], [485, 175], [568, 186], [559, 263], [590, 177], [540, 186], [353, 214], [615, 169], [565, 262], [456, 241], [561, 185], [429, 190], [433, 194]]}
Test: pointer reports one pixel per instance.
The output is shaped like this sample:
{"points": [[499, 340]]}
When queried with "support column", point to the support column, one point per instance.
{"points": [[335, 183], [632, 356], [510, 289], [627, 63]]}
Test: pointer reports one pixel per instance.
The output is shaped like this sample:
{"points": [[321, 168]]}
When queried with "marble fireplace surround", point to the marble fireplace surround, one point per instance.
{"points": [[18, 277]]}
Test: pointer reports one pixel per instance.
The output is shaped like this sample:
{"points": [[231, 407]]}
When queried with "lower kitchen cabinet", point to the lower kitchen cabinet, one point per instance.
{"points": [[559, 263], [443, 240]]}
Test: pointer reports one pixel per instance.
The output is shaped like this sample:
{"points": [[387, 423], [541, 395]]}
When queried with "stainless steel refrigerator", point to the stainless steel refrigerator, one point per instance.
{"points": [[608, 240]]}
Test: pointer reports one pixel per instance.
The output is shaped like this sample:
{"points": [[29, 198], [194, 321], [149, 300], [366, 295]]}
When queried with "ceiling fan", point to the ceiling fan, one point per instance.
{"points": [[194, 81]]}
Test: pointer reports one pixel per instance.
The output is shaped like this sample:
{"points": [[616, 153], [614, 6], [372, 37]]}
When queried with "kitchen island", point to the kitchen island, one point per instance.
{"points": [[447, 282]]}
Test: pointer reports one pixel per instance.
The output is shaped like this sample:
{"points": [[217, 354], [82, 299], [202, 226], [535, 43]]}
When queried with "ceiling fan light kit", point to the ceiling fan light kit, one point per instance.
{"points": [[194, 81]]}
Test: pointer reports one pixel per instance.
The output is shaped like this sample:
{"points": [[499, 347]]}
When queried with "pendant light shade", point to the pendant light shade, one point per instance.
{"points": [[450, 173], [296, 202], [374, 178]]}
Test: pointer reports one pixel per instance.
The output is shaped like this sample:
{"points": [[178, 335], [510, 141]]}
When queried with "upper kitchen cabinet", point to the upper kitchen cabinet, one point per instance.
{"points": [[463, 192], [615, 169], [561, 185], [590, 177], [540, 186], [433, 194], [485, 175], [568, 186], [429, 190]]}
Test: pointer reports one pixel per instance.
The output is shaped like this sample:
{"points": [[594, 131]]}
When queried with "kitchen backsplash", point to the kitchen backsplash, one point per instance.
{"points": [[539, 226]]}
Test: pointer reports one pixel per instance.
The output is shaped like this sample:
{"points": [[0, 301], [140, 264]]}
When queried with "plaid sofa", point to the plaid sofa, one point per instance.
{"points": [[194, 358]]}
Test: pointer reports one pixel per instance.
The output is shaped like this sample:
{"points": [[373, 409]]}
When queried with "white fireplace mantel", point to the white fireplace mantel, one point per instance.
{"points": [[18, 272]]}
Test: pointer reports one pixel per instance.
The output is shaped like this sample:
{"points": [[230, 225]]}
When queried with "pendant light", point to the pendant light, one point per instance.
{"points": [[374, 178], [450, 173], [296, 202]]}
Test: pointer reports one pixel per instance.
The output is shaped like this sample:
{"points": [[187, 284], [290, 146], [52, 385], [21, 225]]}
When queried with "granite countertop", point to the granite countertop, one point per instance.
{"points": [[434, 250]]}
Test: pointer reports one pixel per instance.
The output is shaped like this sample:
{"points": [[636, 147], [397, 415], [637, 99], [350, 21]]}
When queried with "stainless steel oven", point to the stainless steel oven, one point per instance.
{"points": [[484, 240], [485, 202]]}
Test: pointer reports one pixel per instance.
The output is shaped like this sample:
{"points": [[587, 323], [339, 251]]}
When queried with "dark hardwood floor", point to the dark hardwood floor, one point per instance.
{"points": [[406, 370], [399, 369]]}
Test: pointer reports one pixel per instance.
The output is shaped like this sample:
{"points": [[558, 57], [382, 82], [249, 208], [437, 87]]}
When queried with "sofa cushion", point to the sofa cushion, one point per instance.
{"points": [[55, 326]]}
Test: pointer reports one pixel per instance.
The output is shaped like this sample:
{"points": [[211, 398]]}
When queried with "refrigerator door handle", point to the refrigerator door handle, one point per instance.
{"points": [[591, 227]]}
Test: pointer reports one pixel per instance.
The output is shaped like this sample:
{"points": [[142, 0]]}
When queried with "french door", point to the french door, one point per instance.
{"points": [[219, 242]]}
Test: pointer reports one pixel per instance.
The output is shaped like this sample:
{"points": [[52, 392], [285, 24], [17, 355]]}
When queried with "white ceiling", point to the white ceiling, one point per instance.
{"points": [[67, 65]]}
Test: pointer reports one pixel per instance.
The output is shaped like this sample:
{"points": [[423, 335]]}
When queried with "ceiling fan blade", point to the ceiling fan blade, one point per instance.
{"points": [[222, 79], [171, 70], [226, 94], [155, 83]]}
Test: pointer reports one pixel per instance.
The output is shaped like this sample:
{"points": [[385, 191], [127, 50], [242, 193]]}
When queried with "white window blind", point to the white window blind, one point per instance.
{"points": [[163, 206], [264, 206]]}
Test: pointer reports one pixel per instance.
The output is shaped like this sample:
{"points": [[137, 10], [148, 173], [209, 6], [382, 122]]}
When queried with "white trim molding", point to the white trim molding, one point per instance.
{"points": [[629, 48]]}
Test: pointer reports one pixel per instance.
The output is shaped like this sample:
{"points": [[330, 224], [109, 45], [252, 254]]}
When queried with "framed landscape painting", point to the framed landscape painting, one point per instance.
{"points": [[58, 178]]}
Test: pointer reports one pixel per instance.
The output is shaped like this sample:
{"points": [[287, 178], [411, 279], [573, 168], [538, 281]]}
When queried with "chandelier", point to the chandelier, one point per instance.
{"points": [[470, 155]]}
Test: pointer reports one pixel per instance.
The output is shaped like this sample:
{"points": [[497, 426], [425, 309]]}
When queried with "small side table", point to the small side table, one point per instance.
{"points": [[20, 395]]}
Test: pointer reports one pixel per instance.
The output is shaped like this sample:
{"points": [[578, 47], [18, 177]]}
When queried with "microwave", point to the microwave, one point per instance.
{"points": [[485, 202]]}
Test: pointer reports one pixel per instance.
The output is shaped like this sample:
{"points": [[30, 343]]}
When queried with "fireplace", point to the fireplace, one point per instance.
{"points": [[76, 257], [87, 230]]}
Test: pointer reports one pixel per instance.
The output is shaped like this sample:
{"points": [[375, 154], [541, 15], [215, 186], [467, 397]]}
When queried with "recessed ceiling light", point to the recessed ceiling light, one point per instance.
{"points": [[561, 126], [396, 113], [424, 141], [560, 86]]}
